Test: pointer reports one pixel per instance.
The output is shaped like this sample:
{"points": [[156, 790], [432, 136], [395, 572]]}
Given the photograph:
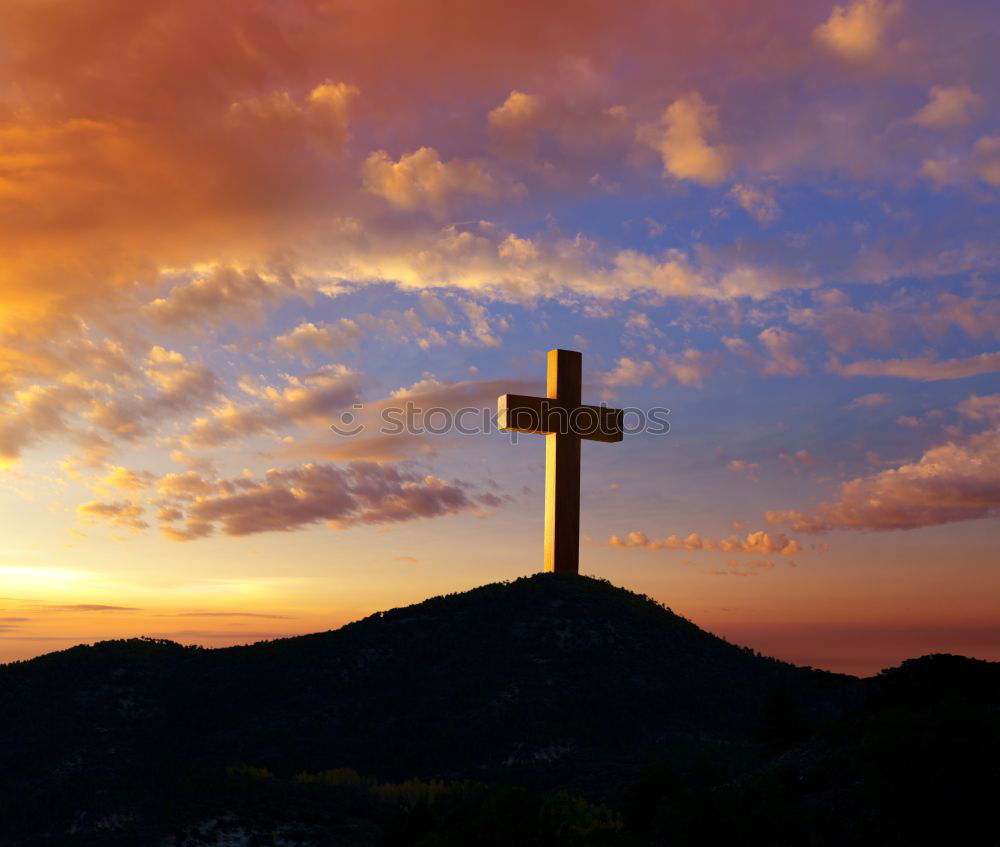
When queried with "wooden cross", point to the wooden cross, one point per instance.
{"points": [[564, 421]]}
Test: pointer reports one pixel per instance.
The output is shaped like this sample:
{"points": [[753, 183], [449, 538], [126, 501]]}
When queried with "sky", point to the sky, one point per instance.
{"points": [[227, 226]]}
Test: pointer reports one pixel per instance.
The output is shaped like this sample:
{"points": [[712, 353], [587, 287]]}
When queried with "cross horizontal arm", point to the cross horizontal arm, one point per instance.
{"points": [[544, 415]]}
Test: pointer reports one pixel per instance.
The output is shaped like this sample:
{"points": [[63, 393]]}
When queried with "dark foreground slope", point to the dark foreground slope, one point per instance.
{"points": [[469, 713]]}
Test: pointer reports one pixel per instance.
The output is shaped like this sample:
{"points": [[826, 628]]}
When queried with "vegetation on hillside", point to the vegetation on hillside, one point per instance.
{"points": [[551, 710]]}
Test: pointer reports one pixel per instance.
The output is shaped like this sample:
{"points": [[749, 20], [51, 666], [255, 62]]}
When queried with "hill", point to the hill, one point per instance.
{"points": [[549, 701]]}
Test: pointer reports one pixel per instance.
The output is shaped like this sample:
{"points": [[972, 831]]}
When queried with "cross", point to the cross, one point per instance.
{"points": [[564, 421]]}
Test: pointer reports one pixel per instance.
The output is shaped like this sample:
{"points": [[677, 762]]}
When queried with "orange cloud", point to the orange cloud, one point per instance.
{"points": [[221, 294], [690, 367], [518, 112], [756, 202], [955, 481], [322, 116], [420, 180], [754, 542], [855, 31], [311, 397], [36, 413], [948, 106], [117, 513], [99, 393], [234, 133], [124, 478], [681, 139], [328, 338]]}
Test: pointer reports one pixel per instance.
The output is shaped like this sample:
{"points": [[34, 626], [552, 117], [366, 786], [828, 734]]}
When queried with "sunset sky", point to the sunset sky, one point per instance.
{"points": [[225, 224]]}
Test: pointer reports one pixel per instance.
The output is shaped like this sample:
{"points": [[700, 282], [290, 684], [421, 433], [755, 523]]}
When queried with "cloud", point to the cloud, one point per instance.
{"points": [[746, 568], [757, 203], [327, 338], [690, 367], [562, 136], [940, 171], [883, 325], [228, 615], [51, 382], [948, 106], [322, 116], [924, 368], [185, 486], [479, 325], [92, 607], [302, 400], [754, 542], [845, 327], [294, 498], [782, 347], [35, 413], [868, 401], [955, 481], [801, 458], [628, 371], [243, 156], [981, 163], [125, 479], [223, 293], [986, 153], [402, 327], [179, 386], [517, 112], [435, 308], [681, 139], [975, 316], [116, 513], [854, 32], [421, 180], [395, 426]]}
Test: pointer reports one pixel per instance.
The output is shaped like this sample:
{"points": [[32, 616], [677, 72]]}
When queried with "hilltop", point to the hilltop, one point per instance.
{"points": [[543, 685]]}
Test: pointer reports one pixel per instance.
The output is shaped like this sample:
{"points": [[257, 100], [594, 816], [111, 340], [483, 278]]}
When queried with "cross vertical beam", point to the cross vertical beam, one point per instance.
{"points": [[564, 378], [564, 421]]}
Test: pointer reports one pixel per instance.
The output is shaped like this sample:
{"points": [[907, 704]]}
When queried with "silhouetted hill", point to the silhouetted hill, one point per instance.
{"points": [[460, 713]]}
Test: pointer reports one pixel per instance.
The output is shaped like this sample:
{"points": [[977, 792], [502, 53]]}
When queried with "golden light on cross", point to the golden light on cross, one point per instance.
{"points": [[564, 421]]}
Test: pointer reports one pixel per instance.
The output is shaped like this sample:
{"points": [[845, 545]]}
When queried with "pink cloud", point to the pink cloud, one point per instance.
{"points": [[868, 401]]}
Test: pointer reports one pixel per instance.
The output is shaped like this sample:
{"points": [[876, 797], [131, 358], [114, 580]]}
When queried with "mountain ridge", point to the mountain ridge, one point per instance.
{"points": [[549, 682]]}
